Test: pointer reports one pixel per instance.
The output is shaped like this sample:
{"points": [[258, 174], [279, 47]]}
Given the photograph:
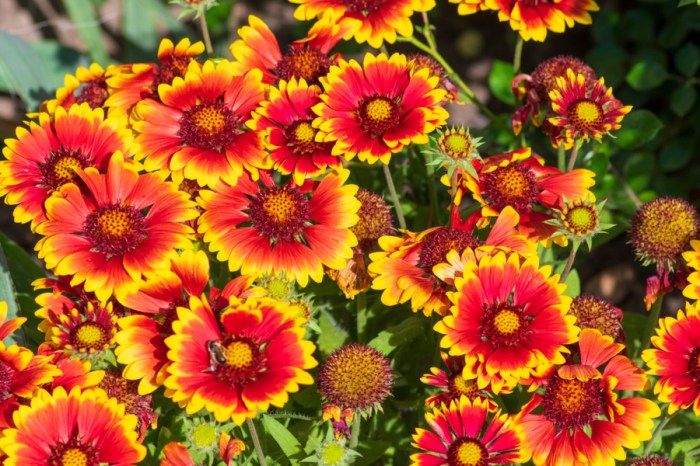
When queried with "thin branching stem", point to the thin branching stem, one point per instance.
{"points": [[657, 433], [205, 32], [569, 263], [394, 197], [256, 442]]}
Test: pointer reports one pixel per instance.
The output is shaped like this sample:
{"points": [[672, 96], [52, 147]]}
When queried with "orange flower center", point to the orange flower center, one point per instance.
{"points": [[511, 185], [115, 230], [244, 360], [73, 453], [572, 403], [467, 451], [586, 115], [504, 325], [280, 213], [61, 167], [209, 126], [301, 136], [306, 62], [93, 92], [459, 386], [378, 114], [172, 67], [438, 243], [89, 337], [581, 219]]}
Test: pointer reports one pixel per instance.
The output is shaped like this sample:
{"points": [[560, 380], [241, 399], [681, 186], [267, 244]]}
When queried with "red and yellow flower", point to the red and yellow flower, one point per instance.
{"points": [[249, 358], [288, 229], [464, 432], [89, 85], [123, 226], [285, 119], [375, 109], [48, 155], [581, 418], [197, 129], [80, 427], [676, 358], [509, 317], [380, 20], [583, 110]]}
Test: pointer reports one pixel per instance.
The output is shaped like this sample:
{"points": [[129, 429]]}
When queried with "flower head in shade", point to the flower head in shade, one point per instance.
{"points": [[374, 109], [453, 384], [122, 226], [80, 427], [285, 121], [49, 154], [651, 460], [532, 20], [266, 228], [581, 419], [250, 357], [355, 376], [510, 316], [465, 432], [379, 21], [583, 110], [89, 86], [599, 314], [125, 391], [197, 129], [419, 60], [675, 357]]}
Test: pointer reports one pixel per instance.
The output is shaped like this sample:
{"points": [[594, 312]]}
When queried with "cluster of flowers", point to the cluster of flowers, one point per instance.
{"points": [[137, 176]]}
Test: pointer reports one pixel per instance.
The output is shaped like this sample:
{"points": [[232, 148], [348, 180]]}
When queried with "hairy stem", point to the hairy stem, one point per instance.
{"points": [[657, 433], [256, 442], [517, 56], [394, 197], [205, 32], [569, 263]]}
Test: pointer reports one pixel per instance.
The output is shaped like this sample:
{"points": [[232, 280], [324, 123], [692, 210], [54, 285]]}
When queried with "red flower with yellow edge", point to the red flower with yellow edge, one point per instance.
{"points": [[510, 316], [8, 327], [75, 372], [285, 120], [176, 454], [583, 110], [519, 180], [141, 339], [305, 59], [229, 448], [675, 358], [84, 331], [404, 268], [124, 225], [47, 155], [274, 229], [252, 357], [125, 391], [80, 427], [467, 7], [375, 109], [380, 20], [138, 81], [581, 419], [464, 432], [89, 85], [532, 20], [197, 129]]}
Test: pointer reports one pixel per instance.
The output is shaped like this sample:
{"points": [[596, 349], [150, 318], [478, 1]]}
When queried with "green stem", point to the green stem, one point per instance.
{"points": [[205, 32], [574, 154], [517, 56], [629, 191], [355, 433], [452, 74], [256, 442], [394, 197], [569, 262], [432, 191], [361, 302], [657, 433], [561, 157], [427, 32], [651, 324]]}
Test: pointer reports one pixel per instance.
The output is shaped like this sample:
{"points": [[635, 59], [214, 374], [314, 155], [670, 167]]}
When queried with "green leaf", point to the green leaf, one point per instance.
{"points": [[676, 155], [371, 451], [684, 446], [573, 281], [332, 335], [388, 340], [646, 75], [687, 59], [638, 128], [284, 438], [500, 80], [688, 2], [639, 170], [683, 99], [83, 14], [138, 28], [634, 326]]}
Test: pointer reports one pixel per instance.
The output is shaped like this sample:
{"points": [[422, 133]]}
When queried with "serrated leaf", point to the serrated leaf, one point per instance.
{"points": [[687, 59], [284, 438], [83, 14], [332, 335], [638, 128], [683, 99], [500, 80], [23, 71], [646, 75], [388, 340]]}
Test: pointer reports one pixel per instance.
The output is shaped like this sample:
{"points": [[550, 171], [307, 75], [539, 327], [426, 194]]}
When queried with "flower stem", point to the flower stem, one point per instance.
{"points": [[572, 157], [517, 56], [355, 433], [657, 433], [569, 263], [651, 324], [205, 32], [561, 157], [394, 197], [629, 191], [361, 302], [256, 442], [432, 192]]}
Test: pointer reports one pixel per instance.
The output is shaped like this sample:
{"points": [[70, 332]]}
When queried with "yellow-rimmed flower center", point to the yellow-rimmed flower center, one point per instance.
{"points": [[89, 336], [280, 213], [209, 126], [459, 386], [239, 354], [586, 116], [570, 403], [581, 219], [94, 93], [467, 451], [244, 360], [115, 230], [61, 168], [457, 144], [333, 453], [512, 185], [377, 115], [438, 243], [301, 136], [204, 436], [306, 62], [503, 325], [74, 457]]}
